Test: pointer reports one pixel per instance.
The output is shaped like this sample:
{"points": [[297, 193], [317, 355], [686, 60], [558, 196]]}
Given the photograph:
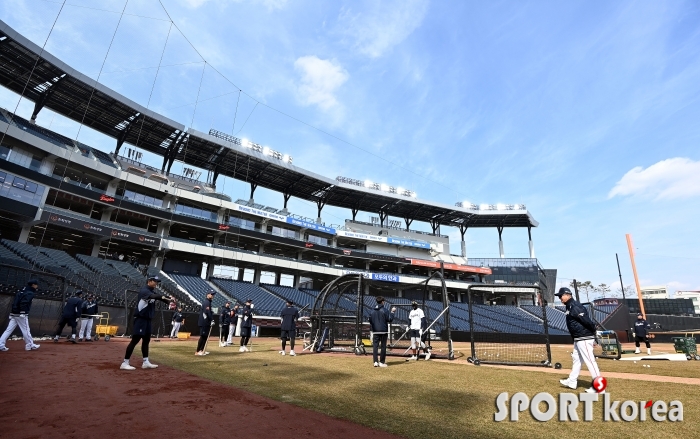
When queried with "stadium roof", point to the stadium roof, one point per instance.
{"points": [[57, 86]]}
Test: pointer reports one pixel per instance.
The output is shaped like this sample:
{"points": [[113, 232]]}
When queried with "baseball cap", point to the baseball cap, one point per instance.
{"points": [[79, 293], [249, 300], [212, 292], [562, 291], [154, 278], [639, 314], [414, 303], [32, 282]]}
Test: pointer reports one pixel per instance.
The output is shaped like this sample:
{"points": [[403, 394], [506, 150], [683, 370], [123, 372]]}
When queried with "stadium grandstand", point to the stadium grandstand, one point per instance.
{"points": [[102, 221]]}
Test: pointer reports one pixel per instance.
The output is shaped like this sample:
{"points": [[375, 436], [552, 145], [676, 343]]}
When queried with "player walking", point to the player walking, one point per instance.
{"points": [[19, 316], [206, 321], [289, 314], [88, 309], [416, 325], [143, 314], [71, 314], [582, 329], [178, 320], [379, 323], [246, 325], [640, 333]]}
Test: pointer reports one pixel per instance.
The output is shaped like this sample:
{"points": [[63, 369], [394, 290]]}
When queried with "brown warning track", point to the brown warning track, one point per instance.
{"points": [[68, 391]]}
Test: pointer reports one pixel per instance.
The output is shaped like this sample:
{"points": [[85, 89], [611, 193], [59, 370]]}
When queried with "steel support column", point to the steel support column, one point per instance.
{"points": [[500, 242]]}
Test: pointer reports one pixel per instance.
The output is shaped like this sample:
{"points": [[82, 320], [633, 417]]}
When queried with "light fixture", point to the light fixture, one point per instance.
{"points": [[368, 183], [266, 150], [245, 143], [384, 187], [285, 158], [484, 207], [500, 206]]}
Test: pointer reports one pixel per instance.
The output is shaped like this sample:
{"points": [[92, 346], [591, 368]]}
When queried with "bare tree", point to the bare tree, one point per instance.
{"points": [[584, 287]]}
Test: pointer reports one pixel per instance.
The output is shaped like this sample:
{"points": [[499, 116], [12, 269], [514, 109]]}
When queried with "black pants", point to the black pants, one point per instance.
{"points": [[66, 321], [203, 335], [224, 332], [638, 339], [377, 340], [135, 339]]}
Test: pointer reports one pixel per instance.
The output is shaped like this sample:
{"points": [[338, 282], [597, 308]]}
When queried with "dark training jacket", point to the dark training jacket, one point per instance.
{"points": [[73, 308], [89, 309], [225, 318], [206, 315], [289, 315], [23, 301], [641, 327], [146, 306], [580, 326], [380, 318]]}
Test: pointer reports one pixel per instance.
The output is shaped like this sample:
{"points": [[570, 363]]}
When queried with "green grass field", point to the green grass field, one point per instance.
{"points": [[435, 398]]}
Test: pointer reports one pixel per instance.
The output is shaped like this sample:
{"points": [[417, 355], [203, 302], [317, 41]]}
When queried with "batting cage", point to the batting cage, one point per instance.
{"points": [[504, 334], [340, 320]]}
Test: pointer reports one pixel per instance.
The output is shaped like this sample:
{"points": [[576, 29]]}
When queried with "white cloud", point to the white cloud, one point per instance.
{"points": [[320, 78], [668, 179], [385, 25]]}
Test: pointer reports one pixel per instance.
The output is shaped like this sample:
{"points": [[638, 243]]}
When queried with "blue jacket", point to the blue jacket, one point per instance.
{"points": [[641, 327], [247, 322], [89, 309], [146, 305], [580, 326], [380, 318], [73, 308], [225, 318], [206, 315], [289, 315], [23, 301]]}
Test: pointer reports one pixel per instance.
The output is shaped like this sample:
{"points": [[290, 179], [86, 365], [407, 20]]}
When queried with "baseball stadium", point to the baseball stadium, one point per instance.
{"points": [[84, 225]]}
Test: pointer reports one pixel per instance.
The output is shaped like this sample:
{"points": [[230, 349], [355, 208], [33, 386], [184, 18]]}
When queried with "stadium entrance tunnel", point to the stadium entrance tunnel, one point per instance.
{"points": [[340, 320]]}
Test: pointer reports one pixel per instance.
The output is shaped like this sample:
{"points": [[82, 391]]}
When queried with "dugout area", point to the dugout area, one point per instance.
{"points": [[340, 319]]}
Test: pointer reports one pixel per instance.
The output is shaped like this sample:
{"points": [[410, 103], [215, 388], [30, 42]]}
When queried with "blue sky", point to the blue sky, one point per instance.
{"points": [[587, 112]]}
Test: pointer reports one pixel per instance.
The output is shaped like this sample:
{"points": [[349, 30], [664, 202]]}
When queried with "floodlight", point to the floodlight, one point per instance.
{"points": [[400, 190], [266, 150], [285, 158], [368, 183], [484, 207], [245, 143], [500, 206], [414, 195], [384, 187]]}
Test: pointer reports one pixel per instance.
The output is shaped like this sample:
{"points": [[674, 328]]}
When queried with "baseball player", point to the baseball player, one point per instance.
{"points": [[143, 314], [88, 309], [19, 316], [234, 323], [225, 323], [417, 323], [640, 333], [246, 325], [582, 329], [289, 314], [178, 320], [206, 321], [379, 323], [71, 314]]}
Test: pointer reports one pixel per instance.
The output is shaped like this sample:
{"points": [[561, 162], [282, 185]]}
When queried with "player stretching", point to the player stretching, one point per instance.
{"points": [[582, 329], [19, 316], [289, 328], [145, 308], [206, 321], [178, 320], [417, 320], [640, 333]]}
